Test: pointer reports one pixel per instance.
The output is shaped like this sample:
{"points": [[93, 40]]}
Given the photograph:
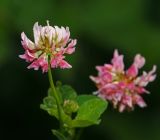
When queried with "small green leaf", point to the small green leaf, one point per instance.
{"points": [[83, 98], [59, 135], [67, 92], [58, 83], [50, 102], [89, 113], [50, 106]]}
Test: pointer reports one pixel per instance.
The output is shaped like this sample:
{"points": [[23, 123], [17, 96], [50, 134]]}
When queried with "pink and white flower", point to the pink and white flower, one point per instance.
{"points": [[123, 88], [48, 41]]}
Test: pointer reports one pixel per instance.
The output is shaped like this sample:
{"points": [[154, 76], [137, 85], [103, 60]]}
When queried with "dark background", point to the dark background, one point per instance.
{"points": [[131, 26]]}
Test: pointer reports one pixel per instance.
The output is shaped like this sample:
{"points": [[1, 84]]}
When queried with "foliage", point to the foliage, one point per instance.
{"points": [[78, 111]]}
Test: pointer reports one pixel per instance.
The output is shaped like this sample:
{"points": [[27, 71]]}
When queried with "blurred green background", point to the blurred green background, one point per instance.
{"points": [[100, 26]]}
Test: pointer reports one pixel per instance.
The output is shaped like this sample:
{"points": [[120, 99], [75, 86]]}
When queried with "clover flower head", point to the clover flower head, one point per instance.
{"points": [[51, 42], [123, 88]]}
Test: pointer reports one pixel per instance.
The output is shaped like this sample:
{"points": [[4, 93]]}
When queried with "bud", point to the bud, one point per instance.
{"points": [[70, 106]]}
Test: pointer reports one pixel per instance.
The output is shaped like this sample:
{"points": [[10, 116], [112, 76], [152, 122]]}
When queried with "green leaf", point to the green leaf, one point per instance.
{"points": [[59, 135], [54, 112], [92, 109], [84, 123], [49, 105], [50, 102], [89, 113], [67, 92], [83, 98]]}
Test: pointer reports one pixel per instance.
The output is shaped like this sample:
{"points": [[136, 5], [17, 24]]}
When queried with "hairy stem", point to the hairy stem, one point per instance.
{"points": [[55, 94]]}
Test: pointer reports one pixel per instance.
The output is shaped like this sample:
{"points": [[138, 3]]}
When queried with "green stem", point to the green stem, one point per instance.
{"points": [[55, 95]]}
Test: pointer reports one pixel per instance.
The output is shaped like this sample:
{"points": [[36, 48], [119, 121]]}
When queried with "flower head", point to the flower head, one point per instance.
{"points": [[51, 42], [123, 88]]}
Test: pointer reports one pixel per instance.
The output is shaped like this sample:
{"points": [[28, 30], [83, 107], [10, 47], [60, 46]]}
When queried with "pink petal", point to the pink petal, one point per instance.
{"points": [[109, 67], [132, 71], [26, 43], [95, 79], [45, 67], [152, 77], [127, 99], [63, 64], [108, 88], [139, 61], [37, 32], [43, 63], [40, 62], [70, 49], [118, 96], [34, 65], [106, 77], [117, 61], [147, 77], [29, 57], [139, 101], [140, 90], [48, 32], [122, 85], [66, 33], [101, 69], [54, 63], [56, 60], [122, 107], [58, 33]]}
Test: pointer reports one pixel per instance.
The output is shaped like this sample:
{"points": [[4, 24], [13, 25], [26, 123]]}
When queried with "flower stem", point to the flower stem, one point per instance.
{"points": [[55, 95]]}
